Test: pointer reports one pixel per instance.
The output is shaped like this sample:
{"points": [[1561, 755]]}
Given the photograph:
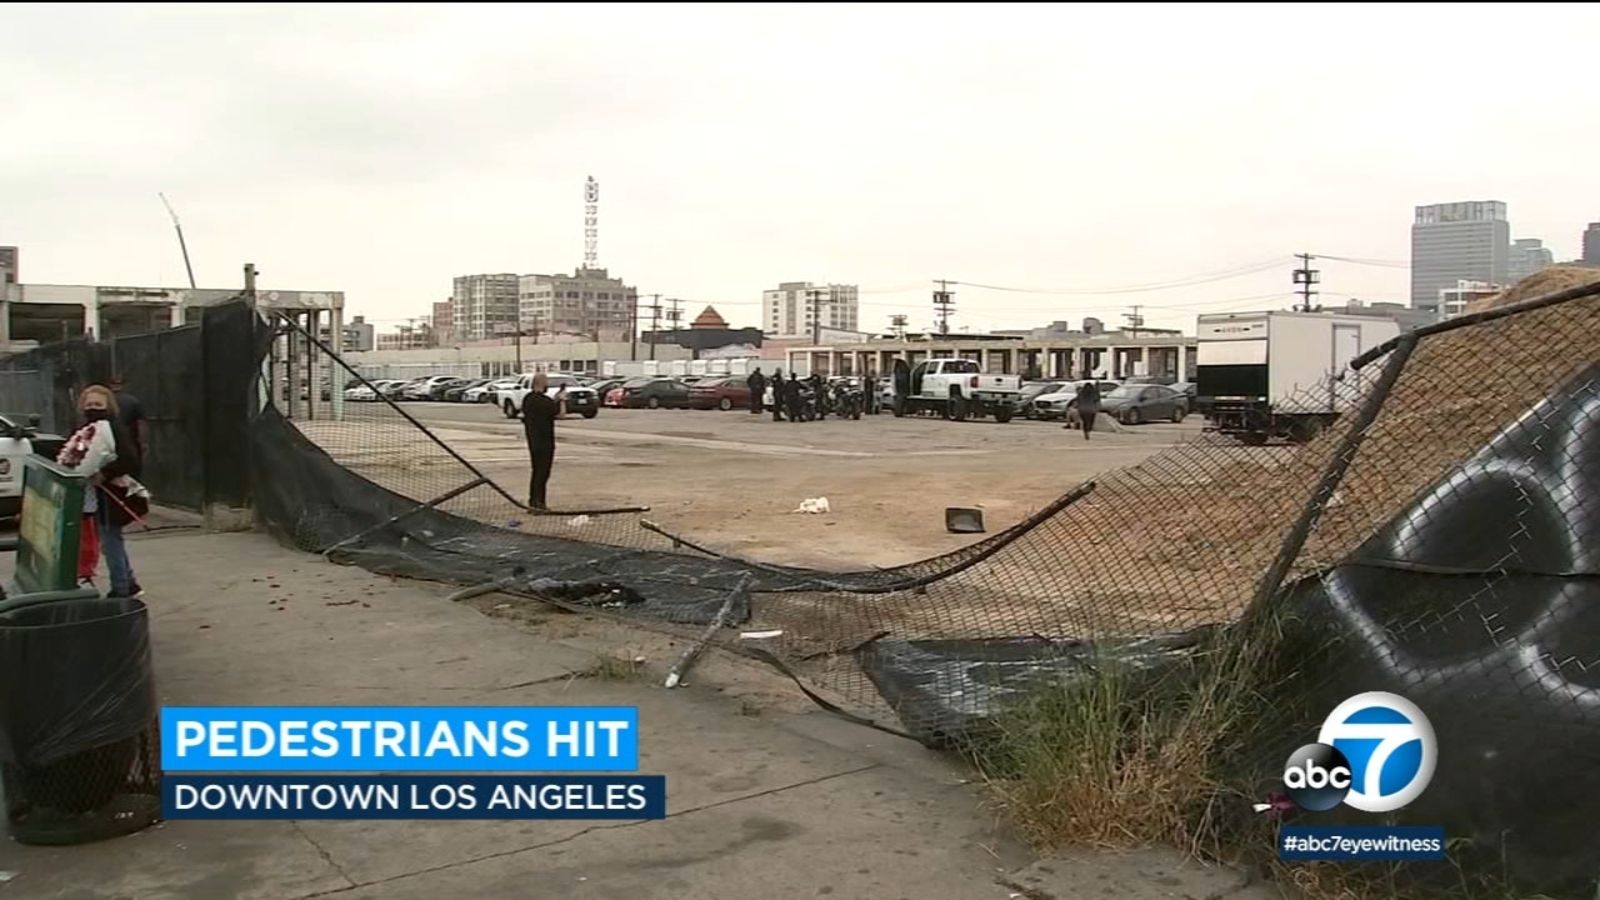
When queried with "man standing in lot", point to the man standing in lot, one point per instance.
{"points": [[539, 414], [791, 397], [758, 387], [777, 395], [1088, 406]]}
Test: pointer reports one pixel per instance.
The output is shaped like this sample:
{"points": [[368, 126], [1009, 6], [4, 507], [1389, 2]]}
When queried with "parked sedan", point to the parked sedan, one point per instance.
{"points": [[655, 394], [1135, 403], [1055, 406], [613, 397], [485, 393], [436, 389], [1032, 391], [421, 388], [457, 393], [720, 393]]}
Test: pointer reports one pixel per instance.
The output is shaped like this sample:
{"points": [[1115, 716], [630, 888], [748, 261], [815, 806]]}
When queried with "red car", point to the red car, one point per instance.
{"points": [[727, 392]]}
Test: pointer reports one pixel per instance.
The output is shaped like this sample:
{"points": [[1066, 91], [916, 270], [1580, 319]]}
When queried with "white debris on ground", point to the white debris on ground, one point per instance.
{"points": [[814, 505], [579, 521]]}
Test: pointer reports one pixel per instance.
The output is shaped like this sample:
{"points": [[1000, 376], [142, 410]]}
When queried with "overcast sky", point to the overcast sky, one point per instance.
{"points": [[382, 150]]}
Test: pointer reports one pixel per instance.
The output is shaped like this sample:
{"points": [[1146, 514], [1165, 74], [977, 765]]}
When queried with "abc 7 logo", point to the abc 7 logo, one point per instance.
{"points": [[1394, 748]]}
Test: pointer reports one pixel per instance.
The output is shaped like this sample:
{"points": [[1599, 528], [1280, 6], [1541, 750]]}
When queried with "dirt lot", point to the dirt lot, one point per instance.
{"points": [[731, 480]]}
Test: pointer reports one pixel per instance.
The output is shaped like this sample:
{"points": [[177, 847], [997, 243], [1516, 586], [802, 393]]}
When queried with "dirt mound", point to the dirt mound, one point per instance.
{"points": [[1544, 281]]}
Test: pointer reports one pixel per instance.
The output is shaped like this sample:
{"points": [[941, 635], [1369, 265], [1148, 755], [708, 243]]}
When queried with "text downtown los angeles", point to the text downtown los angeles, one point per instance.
{"points": [[308, 796]]}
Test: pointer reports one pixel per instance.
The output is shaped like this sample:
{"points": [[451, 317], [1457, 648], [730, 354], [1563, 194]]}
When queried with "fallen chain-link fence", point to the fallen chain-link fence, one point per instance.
{"points": [[1438, 539]]}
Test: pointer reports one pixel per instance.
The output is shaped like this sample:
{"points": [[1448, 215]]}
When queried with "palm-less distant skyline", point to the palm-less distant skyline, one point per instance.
{"points": [[1052, 150]]}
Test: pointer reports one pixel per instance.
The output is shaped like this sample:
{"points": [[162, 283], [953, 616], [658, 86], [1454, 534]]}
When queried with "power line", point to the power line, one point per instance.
{"points": [[1385, 263], [1189, 281]]}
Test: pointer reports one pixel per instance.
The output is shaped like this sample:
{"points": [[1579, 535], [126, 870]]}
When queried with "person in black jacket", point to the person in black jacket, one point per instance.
{"points": [[539, 414], [777, 395], [757, 383], [792, 399], [1088, 406]]}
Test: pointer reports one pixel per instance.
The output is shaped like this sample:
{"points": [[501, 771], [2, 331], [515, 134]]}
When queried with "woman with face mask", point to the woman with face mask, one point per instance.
{"points": [[103, 450]]}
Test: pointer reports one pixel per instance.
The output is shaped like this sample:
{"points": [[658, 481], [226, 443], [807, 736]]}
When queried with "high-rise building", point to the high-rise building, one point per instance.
{"points": [[792, 309], [1591, 244], [8, 267], [1527, 256], [359, 335], [589, 302], [444, 320], [1455, 242], [484, 306], [1453, 301]]}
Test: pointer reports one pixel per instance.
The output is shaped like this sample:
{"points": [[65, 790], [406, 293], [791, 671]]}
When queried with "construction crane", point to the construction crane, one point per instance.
{"points": [[181, 245]]}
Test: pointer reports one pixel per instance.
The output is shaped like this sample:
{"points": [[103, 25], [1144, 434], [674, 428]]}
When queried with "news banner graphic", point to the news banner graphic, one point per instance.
{"points": [[265, 763], [1376, 753]]}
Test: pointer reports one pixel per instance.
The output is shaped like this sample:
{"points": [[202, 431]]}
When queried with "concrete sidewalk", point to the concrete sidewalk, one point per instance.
{"points": [[763, 800]]}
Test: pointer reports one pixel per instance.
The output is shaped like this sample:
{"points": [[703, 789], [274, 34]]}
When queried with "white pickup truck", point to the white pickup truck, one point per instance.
{"points": [[18, 441], [580, 399], [954, 388]]}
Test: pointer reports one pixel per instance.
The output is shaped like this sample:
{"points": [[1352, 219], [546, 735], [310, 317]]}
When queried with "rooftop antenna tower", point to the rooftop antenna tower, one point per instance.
{"points": [[591, 222]]}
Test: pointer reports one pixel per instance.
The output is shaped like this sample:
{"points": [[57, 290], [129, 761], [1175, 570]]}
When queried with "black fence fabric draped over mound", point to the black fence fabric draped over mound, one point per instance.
{"points": [[1437, 540]]}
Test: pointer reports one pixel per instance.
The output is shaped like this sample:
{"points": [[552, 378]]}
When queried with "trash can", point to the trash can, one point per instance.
{"points": [[79, 726]]}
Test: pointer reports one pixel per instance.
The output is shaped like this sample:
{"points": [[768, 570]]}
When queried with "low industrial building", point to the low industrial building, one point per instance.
{"points": [[33, 314], [1113, 354], [492, 359]]}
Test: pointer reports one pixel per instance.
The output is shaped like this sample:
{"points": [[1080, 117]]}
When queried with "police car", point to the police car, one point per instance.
{"points": [[18, 441]]}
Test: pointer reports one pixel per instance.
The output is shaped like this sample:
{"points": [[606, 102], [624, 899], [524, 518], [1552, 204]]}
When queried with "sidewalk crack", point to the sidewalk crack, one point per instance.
{"points": [[578, 834], [326, 856]]}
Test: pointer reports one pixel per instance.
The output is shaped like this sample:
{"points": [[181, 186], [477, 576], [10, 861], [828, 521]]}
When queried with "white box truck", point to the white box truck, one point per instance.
{"points": [[1261, 375]]}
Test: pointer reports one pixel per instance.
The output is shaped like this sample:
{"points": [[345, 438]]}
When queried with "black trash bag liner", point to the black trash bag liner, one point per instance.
{"points": [[79, 695], [948, 690]]}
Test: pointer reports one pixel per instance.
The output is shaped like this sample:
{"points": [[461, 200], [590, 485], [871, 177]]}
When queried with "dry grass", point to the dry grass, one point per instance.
{"points": [[1545, 281], [1120, 758]]}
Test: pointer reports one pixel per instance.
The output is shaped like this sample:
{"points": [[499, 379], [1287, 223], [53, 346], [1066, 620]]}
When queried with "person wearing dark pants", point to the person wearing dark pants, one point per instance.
{"points": [[539, 414], [1088, 406], [777, 396], [757, 383], [792, 399]]}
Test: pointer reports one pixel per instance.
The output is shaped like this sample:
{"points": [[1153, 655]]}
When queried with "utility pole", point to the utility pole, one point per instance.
{"points": [[1135, 320], [655, 322], [1305, 277], [250, 283], [897, 324], [943, 305], [814, 300], [633, 329], [674, 315]]}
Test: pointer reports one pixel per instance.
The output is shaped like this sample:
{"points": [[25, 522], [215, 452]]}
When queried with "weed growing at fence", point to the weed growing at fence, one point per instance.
{"points": [[1116, 756]]}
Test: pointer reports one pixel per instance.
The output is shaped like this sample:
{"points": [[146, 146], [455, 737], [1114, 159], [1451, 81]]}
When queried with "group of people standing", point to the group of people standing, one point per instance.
{"points": [[788, 394], [109, 447]]}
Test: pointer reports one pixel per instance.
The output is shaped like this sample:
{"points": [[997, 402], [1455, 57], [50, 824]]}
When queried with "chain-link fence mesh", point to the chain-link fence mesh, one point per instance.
{"points": [[1436, 538]]}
